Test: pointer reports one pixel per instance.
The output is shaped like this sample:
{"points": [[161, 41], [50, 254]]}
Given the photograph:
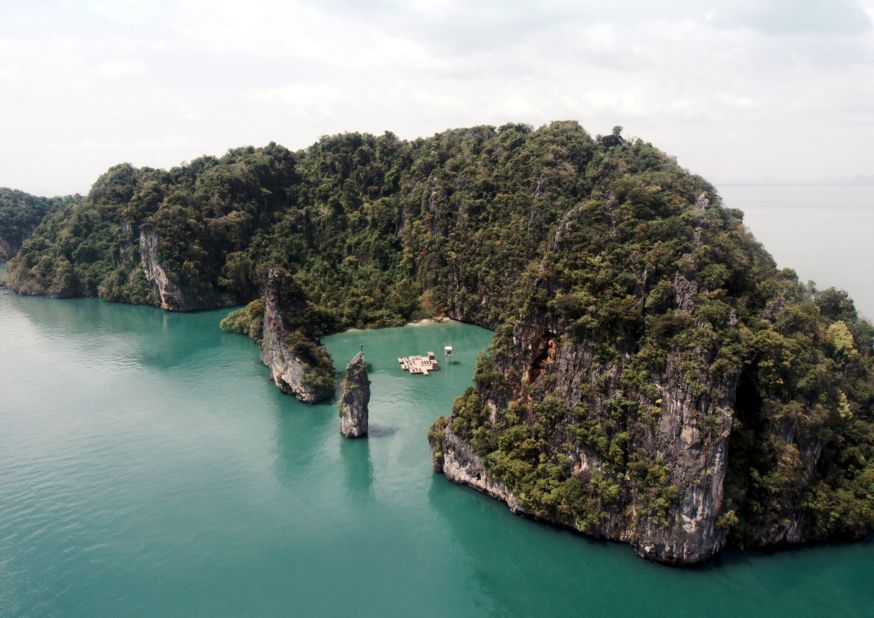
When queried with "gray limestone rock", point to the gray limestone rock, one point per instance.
{"points": [[354, 397], [170, 295], [293, 360]]}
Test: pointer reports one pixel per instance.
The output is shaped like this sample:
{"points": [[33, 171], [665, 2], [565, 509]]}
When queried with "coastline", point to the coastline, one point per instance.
{"points": [[442, 319], [423, 322]]}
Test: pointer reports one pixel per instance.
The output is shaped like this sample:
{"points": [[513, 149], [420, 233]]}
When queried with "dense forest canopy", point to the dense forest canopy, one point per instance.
{"points": [[20, 213], [617, 283]]}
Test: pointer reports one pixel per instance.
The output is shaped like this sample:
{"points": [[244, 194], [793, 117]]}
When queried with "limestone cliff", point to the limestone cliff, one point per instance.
{"points": [[668, 482], [659, 486], [676, 433], [170, 295], [453, 457], [354, 397], [299, 366]]}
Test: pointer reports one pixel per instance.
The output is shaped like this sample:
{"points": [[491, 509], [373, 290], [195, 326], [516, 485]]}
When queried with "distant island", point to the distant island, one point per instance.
{"points": [[654, 378], [859, 180]]}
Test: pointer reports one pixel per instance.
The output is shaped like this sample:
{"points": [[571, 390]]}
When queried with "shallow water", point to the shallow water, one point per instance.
{"points": [[148, 467]]}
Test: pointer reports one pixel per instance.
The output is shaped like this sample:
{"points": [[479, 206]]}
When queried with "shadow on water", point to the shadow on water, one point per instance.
{"points": [[75, 316], [301, 432], [148, 334], [523, 565], [733, 557], [510, 556], [357, 465], [380, 431]]}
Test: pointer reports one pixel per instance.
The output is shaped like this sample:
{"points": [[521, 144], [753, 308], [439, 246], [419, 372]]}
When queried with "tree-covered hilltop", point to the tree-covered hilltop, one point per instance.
{"points": [[654, 378], [20, 213]]}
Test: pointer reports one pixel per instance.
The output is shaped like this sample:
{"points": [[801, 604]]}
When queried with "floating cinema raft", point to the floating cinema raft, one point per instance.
{"points": [[420, 365]]}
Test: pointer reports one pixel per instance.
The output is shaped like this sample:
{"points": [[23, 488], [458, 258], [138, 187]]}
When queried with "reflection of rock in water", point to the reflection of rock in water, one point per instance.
{"points": [[354, 397], [380, 431], [481, 534], [357, 465], [502, 550]]}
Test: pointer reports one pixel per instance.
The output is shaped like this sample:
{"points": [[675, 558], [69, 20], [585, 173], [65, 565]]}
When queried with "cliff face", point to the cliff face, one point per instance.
{"points": [[171, 297], [668, 477], [171, 288], [354, 397], [654, 476], [691, 438], [668, 421], [454, 458], [299, 366]]}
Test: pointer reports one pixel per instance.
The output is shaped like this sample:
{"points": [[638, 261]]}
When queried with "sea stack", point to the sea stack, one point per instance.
{"points": [[299, 364], [354, 397]]}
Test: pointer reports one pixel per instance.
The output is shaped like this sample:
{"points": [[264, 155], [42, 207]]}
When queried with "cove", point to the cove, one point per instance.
{"points": [[149, 467]]}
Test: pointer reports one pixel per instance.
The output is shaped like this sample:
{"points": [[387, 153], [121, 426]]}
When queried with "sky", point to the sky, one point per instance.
{"points": [[738, 91]]}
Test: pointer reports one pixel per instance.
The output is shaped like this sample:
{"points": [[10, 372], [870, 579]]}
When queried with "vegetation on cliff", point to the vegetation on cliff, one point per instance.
{"points": [[20, 213], [248, 320], [653, 370]]}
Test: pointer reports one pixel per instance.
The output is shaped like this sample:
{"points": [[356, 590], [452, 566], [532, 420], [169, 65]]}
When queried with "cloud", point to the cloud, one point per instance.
{"points": [[318, 99], [823, 17], [118, 69], [733, 88]]}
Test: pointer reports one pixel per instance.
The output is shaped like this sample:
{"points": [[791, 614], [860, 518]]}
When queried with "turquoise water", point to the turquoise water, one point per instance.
{"points": [[149, 468]]}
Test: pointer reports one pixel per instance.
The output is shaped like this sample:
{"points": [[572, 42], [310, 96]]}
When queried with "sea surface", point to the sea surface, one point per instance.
{"points": [[825, 234], [148, 467]]}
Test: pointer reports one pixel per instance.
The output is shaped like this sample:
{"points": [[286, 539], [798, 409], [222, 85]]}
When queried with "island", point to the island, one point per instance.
{"points": [[655, 378], [354, 398]]}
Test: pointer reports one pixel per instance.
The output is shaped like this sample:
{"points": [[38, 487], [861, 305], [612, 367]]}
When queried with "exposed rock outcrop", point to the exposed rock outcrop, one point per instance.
{"points": [[460, 464], [685, 291], [299, 366], [354, 397], [682, 450], [170, 294], [691, 440], [653, 479]]}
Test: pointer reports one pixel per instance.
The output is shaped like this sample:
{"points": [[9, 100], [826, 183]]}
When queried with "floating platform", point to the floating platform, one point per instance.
{"points": [[420, 365]]}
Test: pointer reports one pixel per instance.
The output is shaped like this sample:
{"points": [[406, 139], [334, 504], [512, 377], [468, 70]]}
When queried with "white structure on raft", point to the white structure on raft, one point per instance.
{"points": [[420, 364]]}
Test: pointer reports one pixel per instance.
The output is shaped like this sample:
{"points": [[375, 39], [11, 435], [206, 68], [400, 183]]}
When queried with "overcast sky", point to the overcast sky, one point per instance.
{"points": [[739, 90]]}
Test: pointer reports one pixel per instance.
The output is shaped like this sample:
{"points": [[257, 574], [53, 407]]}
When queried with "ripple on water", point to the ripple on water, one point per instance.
{"points": [[148, 467]]}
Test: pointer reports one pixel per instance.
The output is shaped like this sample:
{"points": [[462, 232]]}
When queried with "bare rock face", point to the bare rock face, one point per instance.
{"points": [[170, 295], [461, 465], [687, 442], [658, 485], [691, 438], [299, 366], [685, 291], [354, 397]]}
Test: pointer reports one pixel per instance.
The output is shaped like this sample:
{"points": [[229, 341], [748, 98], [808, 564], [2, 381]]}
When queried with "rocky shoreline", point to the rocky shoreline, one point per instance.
{"points": [[655, 377]]}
